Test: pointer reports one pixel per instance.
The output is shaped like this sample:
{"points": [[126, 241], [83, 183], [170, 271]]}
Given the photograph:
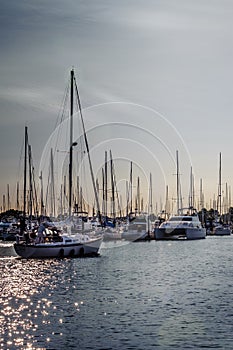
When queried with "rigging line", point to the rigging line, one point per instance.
{"points": [[34, 186], [47, 192], [61, 116], [64, 104], [115, 184], [32, 172], [87, 147], [84, 175], [19, 176], [62, 107], [62, 112]]}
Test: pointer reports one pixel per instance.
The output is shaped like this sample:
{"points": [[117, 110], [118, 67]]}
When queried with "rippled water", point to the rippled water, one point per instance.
{"points": [[165, 295]]}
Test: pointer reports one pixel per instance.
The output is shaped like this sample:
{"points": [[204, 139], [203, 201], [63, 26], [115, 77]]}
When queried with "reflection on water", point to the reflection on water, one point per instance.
{"points": [[168, 295], [7, 249], [27, 303]]}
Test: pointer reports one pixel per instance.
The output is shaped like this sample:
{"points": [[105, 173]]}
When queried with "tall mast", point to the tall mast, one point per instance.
{"points": [[131, 186], [127, 197], [201, 196], [220, 184], [191, 189], [64, 196], [106, 185], [4, 202], [71, 138], [98, 192], [219, 200], [150, 196], [166, 204], [226, 209], [229, 197], [17, 199], [53, 207], [78, 195], [113, 189], [61, 200], [25, 171], [138, 196], [30, 180], [103, 193], [8, 197], [177, 184], [41, 195]]}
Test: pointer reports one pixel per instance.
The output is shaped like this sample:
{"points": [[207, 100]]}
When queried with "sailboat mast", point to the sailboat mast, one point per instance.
{"points": [[150, 196], [127, 197], [131, 187], [191, 189], [71, 105], [113, 189], [166, 204], [219, 204], [106, 185], [4, 202], [30, 181], [177, 184], [71, 138], [201, 196], [61, 200], [25, 171], [41, 195], [8, 197], [17, 200], [149, 206], [53, 205], [103, 193], [138, 196]]}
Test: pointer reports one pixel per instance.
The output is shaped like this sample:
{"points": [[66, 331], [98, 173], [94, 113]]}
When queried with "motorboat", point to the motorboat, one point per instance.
{"points": [[181, 227]]}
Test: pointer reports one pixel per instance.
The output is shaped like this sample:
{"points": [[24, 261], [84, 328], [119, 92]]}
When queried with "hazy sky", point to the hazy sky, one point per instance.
{"points": [[166, 65]]}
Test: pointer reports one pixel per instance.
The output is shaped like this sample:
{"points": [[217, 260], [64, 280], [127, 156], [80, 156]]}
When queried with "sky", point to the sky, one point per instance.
{"points": [[154, 77]]}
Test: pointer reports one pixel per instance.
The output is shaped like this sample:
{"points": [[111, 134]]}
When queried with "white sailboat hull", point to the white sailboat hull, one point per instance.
{"points": [[59, 249]]}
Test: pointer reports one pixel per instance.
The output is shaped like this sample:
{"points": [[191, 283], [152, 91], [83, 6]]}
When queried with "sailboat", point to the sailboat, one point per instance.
{"points": [[112, 231], [139, 226], [59, 244], [220, 229]]}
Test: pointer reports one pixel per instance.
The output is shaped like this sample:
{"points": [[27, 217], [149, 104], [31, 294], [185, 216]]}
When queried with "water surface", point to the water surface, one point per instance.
{"points": [[164, 295]]}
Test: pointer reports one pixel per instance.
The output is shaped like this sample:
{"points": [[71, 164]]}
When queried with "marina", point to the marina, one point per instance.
{"points": [[116, 210]]}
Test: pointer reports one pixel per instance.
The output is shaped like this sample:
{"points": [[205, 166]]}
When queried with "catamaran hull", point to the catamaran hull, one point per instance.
{"points": [[48, 250], [179, 233]]}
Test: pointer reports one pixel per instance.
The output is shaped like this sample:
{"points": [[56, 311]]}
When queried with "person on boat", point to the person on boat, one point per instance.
{"points": [[22, 225], [32, 235], [41, 233], [26, 237]]}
